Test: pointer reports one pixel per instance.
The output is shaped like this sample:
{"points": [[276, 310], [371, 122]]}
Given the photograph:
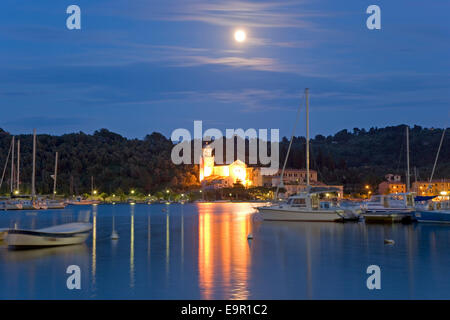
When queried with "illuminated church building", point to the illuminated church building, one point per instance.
{"points": [[214, 176], [220, 176]]}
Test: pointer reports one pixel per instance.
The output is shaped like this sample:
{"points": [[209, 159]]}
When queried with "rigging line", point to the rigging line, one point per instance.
{"points": [[6, 165], [289, 149], [437, 156]]}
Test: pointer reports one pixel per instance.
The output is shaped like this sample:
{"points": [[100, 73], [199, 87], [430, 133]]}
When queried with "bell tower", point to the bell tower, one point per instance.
{"points": [[206, 163]]}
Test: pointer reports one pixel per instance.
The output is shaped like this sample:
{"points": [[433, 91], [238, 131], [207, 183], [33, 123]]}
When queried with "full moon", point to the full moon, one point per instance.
{"points": [[240, 36]]}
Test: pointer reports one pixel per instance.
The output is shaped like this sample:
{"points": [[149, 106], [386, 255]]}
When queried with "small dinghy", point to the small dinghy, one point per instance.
{"points": [[60, 235]]}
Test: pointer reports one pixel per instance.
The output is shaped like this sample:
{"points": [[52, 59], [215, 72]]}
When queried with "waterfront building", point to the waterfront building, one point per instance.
{"points": [[389, 187], [221, 176], [436, 188], [214, 176], [392, 184]]}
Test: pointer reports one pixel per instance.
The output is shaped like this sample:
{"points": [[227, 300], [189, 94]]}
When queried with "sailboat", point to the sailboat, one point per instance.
{"points": [[8, 203], [433, 211], [390, 208], [33, 203], [307, 205], [54, 203]]}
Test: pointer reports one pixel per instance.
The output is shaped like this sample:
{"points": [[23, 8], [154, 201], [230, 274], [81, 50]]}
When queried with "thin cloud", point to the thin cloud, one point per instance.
{"points": [[252, 14], [274, 14]]}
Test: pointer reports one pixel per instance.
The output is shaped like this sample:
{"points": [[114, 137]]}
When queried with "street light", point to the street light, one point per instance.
{"points": [[132, 191]]}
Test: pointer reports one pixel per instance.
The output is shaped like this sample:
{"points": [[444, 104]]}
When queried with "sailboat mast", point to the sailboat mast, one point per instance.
{"points": [[436, 159], [18, 167], [33, 176], [12, 167], [55, 176], [408, 177], [307, 137], [281, 185], [6, 165]]}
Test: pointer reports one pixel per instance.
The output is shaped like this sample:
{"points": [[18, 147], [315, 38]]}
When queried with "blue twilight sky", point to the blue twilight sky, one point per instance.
{"points": [[139, 66]]}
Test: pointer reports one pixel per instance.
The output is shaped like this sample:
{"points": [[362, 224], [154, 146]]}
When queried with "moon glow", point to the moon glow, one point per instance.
{"points": [[240, 36]]}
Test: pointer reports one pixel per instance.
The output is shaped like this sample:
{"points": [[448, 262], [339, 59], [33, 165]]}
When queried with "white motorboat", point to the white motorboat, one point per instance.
{"points": [[80, 201], [55, 204], [390, 208], [307, 206], [60, 235]]}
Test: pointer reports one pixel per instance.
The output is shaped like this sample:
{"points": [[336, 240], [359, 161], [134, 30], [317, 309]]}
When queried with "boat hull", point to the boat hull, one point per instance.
{"points": [[8, 207], [83, 203], [25, 239], [269, 214], [433, 216], [388, 216]]}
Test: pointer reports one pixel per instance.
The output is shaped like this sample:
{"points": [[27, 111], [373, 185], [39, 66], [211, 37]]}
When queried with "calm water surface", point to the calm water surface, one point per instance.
{"points": [[201, 251]]}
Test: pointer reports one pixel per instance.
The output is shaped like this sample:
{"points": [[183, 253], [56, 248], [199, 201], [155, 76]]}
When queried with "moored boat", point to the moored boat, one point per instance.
{"points": [[390, 208], [30, 205], [10, 205], [60, 235], [307, 206], [55, 204], [434, 212], [79, 201]]}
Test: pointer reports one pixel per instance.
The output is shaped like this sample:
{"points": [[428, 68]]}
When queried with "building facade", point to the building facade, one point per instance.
{"points": [[389, 187], [223, 176], [436, 188], [214, 176]]}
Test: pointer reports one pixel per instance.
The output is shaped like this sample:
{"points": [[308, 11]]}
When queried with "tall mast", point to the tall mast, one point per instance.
{"points": [[408, 177], [33, 176], [55, 176], [281, 185], [12, 167], [307, 138], [436, 159], [6, 165], [18, 167]]}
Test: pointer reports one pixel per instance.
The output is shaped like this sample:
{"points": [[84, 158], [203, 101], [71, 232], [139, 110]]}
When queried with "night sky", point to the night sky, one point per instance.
{"points": [[141, 66]]}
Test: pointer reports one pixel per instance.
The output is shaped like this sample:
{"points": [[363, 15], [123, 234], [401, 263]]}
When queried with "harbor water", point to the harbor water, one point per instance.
{"points": [[202, 251]]}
